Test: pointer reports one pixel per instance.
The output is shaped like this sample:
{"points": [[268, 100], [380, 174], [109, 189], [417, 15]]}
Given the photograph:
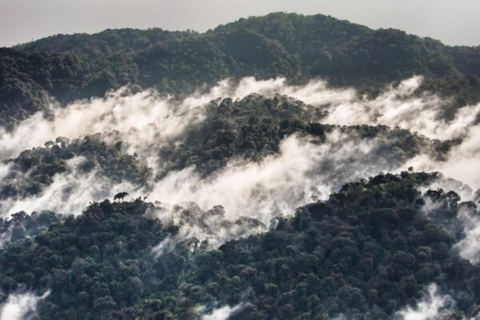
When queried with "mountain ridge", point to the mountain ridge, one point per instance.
{"points": [[299, 48]]}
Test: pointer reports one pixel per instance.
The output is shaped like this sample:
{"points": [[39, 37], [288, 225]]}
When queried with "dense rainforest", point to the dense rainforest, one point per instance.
{"points": [[250, 129], [297, 47], [243, 205], [364, 252]]}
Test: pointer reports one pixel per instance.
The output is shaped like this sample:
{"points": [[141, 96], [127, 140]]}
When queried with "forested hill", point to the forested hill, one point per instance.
{"points": [[322, 45], [297, 47], [364, 253], [292, 198]]}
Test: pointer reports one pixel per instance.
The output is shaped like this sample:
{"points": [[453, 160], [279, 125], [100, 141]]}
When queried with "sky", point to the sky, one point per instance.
{"points": [[452, 22]]}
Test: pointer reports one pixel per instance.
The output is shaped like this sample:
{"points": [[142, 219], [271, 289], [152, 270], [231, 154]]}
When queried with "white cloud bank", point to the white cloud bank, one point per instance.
{"points": [[435, 306], [302, 171], [221, 313], [20, 306]]}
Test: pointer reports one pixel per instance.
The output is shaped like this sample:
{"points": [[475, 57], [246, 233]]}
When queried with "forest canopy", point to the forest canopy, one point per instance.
{"points": [[177, 181], [297, 47]]}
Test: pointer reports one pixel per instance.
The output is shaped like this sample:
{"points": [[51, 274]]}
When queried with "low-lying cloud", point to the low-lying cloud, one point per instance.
{"points": [[246, 197], [461, 164], [69, 193], [433, 306], [222, 313], [20, 306], [469, 247], [303, 171]]}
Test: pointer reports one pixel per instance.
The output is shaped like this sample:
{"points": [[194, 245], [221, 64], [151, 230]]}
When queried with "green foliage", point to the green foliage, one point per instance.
{"points": [[95, 264], [26, 81], [368, 250], [106, 43], [69, 67], [34, 170], [253, 128]]}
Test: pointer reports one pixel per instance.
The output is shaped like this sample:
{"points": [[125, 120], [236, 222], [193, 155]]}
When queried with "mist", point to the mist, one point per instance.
{"points": [[144, 116], [303, 171], [20, 306], [69, 193], [462, 163], [469, 246], [221, 313], [432, 306]]}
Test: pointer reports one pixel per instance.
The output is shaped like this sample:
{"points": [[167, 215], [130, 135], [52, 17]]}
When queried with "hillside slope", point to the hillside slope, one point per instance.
{"points": [[299, 48], [365, 253]]}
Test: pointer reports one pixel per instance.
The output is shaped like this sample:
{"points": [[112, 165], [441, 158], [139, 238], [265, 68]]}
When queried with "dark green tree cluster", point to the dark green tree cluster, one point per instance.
{"points": [[34, 170], [106, 43], [21, 225], [366, 252], [27, 81], [98, 263], [462, 91], [350, 53], [254, 127]]}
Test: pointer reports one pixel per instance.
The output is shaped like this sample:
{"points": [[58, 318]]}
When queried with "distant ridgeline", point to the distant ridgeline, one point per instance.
{"points": [[365, 253], [299, 48]]}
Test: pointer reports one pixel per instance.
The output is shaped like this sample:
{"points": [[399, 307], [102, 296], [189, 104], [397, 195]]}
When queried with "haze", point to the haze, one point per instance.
{"points": [[453, 23]]}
